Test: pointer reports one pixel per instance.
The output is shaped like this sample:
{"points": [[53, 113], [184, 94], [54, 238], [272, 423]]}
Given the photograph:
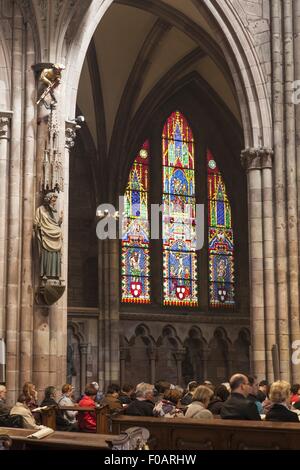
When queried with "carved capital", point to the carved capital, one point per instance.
{"points": [[257, 158], [83, 348], [5, 117], [123, 354], [180, 355], [151, 353]]}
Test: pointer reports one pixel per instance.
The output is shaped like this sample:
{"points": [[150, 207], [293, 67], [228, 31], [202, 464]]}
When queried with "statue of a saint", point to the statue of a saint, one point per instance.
{"points": [[49, 233]]}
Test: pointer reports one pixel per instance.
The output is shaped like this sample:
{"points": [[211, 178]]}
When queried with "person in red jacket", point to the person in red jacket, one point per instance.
{"points": [[87, 419]]}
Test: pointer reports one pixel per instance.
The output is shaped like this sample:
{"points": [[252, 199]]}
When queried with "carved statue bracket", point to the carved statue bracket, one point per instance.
{"points": [[50, 291], [49, 75]]}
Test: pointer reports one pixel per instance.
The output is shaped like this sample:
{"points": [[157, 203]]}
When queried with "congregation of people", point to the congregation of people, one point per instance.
{"points": [[242, 398]]}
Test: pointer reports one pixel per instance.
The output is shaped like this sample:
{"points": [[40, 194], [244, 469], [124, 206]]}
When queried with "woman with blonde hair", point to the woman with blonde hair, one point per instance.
{"points": [[280, 400], [198, 408], [66, 400]]}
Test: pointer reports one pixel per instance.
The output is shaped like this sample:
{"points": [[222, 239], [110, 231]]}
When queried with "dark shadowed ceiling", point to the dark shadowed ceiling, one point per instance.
{"points": [[137, 49]]}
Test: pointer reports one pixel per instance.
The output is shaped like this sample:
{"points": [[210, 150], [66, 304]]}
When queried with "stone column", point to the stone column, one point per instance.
{"points": [[58, 312], [152, 358], [41, 320], [14, 211], [230, 359], [284, 178], [296, 16], [83, 363], [123, 355], [179, 356], [101, 322], [269, 262], [5, 117], [108, 262], [205, 354], [260, 241], [27, 288], [291, 169]]}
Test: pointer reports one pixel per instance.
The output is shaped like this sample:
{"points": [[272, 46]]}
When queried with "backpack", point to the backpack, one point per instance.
{"points": [[11, 421], [134, 438]]}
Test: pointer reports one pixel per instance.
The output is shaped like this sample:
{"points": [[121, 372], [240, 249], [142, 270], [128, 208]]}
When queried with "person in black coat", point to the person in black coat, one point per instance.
{"points": [[280, 398], [217, 401], [143, 404], [237, 406]]}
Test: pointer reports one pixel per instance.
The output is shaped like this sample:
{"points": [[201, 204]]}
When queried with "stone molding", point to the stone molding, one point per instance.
{"points": [[257, 158], [184, 318]]}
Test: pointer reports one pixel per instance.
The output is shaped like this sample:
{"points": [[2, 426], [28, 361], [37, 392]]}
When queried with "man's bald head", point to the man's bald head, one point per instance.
{"points": [[238, 384]]}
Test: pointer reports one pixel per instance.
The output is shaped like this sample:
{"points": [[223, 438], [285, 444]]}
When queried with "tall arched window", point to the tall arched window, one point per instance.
{"points": [[179, 255], [180, 260], [220, 238], [135, 232]]}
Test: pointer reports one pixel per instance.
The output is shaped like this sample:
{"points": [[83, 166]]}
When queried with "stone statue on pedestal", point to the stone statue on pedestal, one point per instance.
{"points": [[49, 234], [47, 225]]}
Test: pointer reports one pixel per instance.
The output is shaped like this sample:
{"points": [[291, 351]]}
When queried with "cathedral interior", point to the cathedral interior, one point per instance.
{"points": [[186, 105]]}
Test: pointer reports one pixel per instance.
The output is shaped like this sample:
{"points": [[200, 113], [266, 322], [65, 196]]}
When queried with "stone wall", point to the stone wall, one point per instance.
{"points": [[83, 285]]}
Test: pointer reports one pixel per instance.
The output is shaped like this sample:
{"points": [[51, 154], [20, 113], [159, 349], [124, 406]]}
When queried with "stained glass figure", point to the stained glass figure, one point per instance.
{"points": [[220, 239], [178, 179], [135, 258]]}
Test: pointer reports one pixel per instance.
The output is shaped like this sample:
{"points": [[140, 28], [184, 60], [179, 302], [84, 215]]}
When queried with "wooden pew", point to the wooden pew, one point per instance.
{"points": [[102, 416], [192, 434], [57, 440]]}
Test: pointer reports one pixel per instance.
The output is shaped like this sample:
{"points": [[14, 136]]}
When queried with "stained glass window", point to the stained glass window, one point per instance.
{"points": [[135, 259], [178, 227], [220, 239]]}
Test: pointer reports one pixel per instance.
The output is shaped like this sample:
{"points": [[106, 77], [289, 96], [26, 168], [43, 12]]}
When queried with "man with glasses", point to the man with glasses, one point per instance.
{"points": [[237, 406]]}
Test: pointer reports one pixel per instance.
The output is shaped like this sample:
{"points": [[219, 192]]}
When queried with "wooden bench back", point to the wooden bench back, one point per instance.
{"points": [[58, 440], [102, 416], [191, 434]]}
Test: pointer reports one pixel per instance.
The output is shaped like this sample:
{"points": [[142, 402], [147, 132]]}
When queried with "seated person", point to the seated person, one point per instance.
{"points": [[167, 406], [125, 396], [100, 395], [280, 400], [161, 386], [143, 404], [31, 399], [262, 392], [87, 419], [4, 408], [21, 409], [217, 401], [237, 406], [295, 392], [112, 398], [187, 399], [66, 400], [50, 400], [253, 390], [198, 408]]}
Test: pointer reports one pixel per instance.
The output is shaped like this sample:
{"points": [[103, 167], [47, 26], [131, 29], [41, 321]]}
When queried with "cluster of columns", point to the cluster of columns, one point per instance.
{"points": [[258, 164], [274, 209], [34, 335]]}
